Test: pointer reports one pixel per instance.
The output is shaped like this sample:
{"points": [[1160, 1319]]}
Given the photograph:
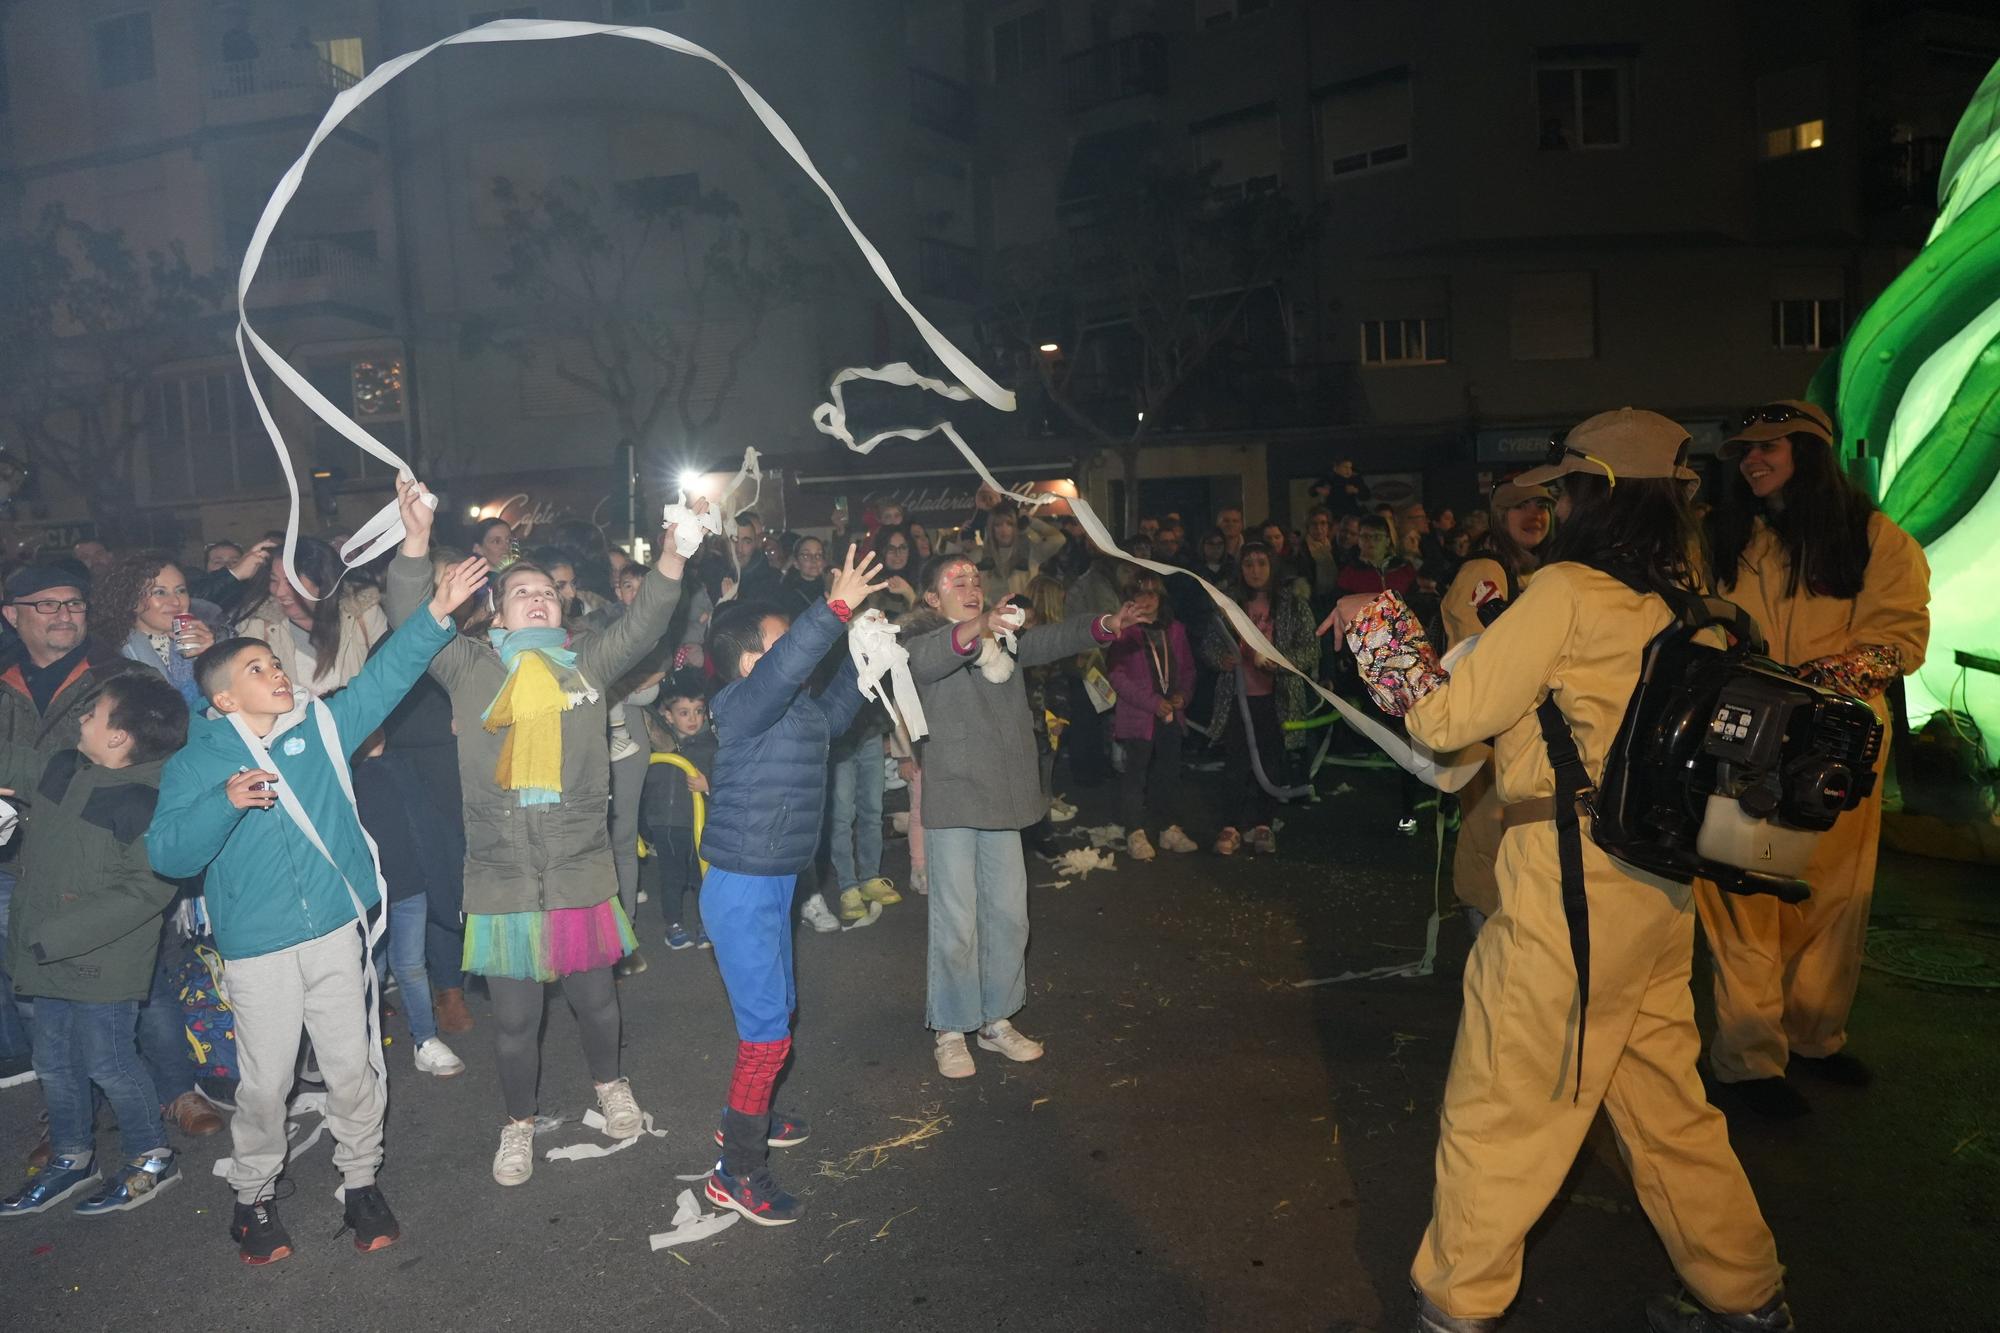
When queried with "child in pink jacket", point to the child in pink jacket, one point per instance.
{"points": [[1152, 669]]}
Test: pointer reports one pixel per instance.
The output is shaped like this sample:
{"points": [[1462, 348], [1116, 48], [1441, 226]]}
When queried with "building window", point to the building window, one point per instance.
{"points": [[1215, 13], [124, 50], [206, 440], [1364, 125], [1244, 151], [1808, 325], [627, 11], [1580, 106], [1553, 317], [1021, 46], [1404, 342], [1803, 137]]}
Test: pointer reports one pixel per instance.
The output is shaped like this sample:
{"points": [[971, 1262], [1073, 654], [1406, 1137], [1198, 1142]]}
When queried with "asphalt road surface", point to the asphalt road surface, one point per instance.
{"points": [[1205, 1146]]}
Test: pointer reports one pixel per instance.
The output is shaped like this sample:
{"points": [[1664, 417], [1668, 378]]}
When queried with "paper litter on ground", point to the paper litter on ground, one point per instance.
{"points": [[692, 1222], [874, 914], [1105, 835], [577, 1152], [1080, 861]]}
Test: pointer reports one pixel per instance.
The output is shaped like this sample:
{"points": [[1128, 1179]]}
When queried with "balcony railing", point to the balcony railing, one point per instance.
{"points": [[318, 270], [282, 83], [1134, 66], [941, 104]]}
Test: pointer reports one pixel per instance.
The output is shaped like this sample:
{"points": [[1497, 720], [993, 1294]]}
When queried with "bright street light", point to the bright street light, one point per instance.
{"points": [[690, 481], [1051, 348]]}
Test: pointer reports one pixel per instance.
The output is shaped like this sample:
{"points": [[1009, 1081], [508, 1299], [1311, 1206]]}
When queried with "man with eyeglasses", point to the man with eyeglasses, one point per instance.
{"points": [[45, 676]]}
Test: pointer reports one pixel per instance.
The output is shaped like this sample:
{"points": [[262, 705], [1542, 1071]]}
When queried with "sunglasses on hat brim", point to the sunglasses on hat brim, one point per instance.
{"points": [[1560, 449], [1776, 414]]}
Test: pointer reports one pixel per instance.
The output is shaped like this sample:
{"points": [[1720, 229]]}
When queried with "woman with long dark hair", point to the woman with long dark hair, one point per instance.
{"points": [[1842, 596], [1524, 1085], [321, 644], [1508, 557], [1282, 609]]}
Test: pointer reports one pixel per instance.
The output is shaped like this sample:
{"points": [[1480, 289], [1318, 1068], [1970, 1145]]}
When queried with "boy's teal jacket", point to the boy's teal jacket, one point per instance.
{"points": [[267, 887], [85, 924]]}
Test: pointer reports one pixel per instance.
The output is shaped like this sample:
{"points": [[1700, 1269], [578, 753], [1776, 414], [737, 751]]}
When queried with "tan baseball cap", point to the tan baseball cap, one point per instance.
{"points": [[1786, 416], [1512, 494], [1628, 442]]}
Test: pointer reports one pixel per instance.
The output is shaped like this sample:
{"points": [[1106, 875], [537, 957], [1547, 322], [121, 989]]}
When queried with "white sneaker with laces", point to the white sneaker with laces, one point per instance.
{"points": [[953, 1060], [818, 915], [434, 1057], [1001, 1036], [1173, 840], [620, 1108], [515, 1161]]}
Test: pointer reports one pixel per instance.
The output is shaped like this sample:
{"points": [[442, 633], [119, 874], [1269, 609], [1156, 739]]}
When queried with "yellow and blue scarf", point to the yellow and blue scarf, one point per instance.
{"points": [[542, 684]]}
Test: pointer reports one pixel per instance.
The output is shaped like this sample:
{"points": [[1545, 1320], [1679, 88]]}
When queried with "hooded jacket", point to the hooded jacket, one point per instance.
{"points": [[85, 920], [767, 793], [268, 887], [21, 723]]}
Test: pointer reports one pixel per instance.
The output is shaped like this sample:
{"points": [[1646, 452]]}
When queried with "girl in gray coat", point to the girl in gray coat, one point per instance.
{"points": [[981, 787]]}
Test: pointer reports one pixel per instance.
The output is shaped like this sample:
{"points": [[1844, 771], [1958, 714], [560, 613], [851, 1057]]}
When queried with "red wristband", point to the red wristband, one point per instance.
{"points": [[839, 608]]}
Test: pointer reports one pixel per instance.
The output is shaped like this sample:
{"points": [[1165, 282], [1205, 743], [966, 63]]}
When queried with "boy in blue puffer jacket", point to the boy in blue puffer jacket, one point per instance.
{"points": [[285, 889], [767, 797]]}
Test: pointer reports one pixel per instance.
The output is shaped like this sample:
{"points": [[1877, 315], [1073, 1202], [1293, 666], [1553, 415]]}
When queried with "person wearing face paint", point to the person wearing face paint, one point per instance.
{"points": [[144, 613], [982, 786], [541, 890], [1842, 596], [284, 890], [1494, 576], [1533, 1062]]}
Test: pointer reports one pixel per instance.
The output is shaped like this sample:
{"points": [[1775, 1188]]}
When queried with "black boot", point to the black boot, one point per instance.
{"points": [[1682, 1313]]}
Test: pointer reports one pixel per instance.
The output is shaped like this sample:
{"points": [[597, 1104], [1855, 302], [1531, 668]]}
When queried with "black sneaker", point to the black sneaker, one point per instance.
{"points": [[1772, 1098], [1840, 1067], [369, 1218], [1682, 1313], [259, 1235], [757, 1196]]}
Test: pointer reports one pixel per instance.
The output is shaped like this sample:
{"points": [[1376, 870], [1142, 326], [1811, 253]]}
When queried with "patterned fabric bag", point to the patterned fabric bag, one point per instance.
{"points": [[205, 1013]]}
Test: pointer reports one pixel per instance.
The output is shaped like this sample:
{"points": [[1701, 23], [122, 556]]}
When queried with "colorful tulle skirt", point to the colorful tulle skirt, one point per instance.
{"points": [[546, 946]]}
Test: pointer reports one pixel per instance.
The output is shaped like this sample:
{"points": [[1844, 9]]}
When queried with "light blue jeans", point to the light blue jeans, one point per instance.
{"points": [[856, 827], [409, 924], [979, 927]]}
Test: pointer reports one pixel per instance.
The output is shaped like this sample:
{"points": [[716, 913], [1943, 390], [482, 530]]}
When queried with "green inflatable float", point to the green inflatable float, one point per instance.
{"points": [[1915, 389]]}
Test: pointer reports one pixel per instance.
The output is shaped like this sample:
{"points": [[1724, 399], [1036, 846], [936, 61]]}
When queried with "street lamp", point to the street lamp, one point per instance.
{"points": [[1050, 349]]}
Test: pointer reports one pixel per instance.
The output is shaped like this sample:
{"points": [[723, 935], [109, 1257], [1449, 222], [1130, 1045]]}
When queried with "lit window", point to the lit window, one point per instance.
{"points": [[1403, 342], [1580, 106], [1808, 324], [1803, 137]]}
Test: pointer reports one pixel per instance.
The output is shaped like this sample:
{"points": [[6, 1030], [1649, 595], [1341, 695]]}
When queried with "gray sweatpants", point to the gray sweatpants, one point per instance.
{"points": [[316, 986]]}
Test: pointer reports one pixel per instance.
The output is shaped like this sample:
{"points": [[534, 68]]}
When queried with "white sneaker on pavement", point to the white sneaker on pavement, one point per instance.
{"points": [[1001, 1036], [515, 1161], [818, 915], [620, 1108], [1138, 846], [1173, 840], [434, 1057], [953, 1060]]}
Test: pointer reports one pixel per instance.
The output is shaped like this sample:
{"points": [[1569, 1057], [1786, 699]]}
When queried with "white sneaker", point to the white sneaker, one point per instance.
{"points": [[515, 1161], [434, 1057], [1000, 1036], [1138, 847], [1061, 811], [1173, 840], [953, 1060], [818, 915], [620, 1108]]}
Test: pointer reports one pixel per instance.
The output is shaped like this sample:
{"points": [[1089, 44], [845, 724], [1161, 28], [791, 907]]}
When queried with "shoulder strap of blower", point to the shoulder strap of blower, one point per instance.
{"points": [[1573, 784]]}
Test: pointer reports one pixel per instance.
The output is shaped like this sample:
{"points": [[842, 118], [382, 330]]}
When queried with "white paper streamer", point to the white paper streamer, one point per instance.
{"points": [[692, 1222], [830, 417], [579, 1152], [882, 671]]}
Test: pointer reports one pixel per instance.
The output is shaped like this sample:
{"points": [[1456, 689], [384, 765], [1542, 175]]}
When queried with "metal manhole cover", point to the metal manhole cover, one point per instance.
{"points": [[1942, 957]]}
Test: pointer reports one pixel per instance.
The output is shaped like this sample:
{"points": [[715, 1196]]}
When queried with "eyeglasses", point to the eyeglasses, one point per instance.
{"points": [[897, 546], [50, 606], [1559, 450], [1774, 414]]}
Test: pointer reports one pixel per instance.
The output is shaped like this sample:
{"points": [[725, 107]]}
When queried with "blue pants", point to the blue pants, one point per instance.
{"points": [[978, 969], [14, 1040], [77, 1045], [855, 830], [409, 924], [749, 920], [163, 1041]]}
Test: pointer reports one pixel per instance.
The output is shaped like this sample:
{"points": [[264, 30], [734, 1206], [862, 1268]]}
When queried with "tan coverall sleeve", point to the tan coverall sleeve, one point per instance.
{"points": [[1461, 617], [1893, 609], [1501, 680]]}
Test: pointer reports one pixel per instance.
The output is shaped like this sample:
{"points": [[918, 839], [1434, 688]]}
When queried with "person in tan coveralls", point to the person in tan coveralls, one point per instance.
{"points": [[1516, 1107], [1841, 594], [1500, 569]]}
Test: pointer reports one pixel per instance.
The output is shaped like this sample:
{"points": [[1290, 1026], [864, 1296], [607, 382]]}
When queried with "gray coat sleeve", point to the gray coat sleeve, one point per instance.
{"points": [[1051, 643], [410, 585], [609, 655], [932, 657]]}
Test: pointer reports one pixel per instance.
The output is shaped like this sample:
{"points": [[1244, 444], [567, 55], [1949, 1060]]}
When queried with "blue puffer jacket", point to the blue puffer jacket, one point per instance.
{"points": [[768, 791]]}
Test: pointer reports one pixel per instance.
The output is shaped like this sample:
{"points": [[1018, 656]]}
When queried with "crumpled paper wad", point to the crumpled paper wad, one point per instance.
{"points": [[692, 1222]]}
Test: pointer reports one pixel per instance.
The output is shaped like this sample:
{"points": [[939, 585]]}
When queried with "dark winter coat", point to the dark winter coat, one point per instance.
{"points": [[409, 798], [85, 920], [666, 801], [767, 794]]}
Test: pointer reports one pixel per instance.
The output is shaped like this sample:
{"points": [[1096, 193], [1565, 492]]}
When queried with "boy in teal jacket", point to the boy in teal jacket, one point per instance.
{"points": [[286, 889], [85, 927]]}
